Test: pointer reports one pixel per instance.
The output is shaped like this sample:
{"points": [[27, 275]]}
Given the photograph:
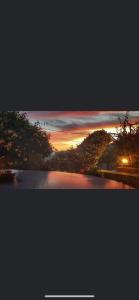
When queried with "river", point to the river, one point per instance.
{"points": [[60, 180]]}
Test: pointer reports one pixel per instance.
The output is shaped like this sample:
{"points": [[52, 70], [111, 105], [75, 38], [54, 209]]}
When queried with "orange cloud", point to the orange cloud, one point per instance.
{"points": [[65, 140], [69, 128]]}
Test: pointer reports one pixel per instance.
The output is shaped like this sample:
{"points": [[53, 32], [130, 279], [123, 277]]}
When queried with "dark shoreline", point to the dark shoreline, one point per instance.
{"points": [[6, 176], [130, 179]]}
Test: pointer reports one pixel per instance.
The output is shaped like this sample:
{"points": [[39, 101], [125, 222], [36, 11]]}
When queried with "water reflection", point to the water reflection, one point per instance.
{"points": [[60, 180]]}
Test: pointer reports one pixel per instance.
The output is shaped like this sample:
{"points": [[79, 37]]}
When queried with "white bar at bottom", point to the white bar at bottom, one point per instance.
{"points": [[69, 296]]}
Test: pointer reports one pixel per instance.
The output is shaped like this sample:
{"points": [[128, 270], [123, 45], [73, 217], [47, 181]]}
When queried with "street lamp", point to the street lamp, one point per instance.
{"points": [[125, 161]]}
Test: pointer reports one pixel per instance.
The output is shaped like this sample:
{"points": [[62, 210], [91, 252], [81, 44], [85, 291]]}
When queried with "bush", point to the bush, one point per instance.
{"points": [[22, 144]]}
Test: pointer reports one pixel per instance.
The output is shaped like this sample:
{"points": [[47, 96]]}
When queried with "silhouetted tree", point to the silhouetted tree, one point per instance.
{"points": [[92, 148], [126, 144], [85, 157], [22, 144], [128, 140]]}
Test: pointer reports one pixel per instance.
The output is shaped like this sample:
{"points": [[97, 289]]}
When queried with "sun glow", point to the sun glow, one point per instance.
{"points": [[65, 140], [65, 145]]}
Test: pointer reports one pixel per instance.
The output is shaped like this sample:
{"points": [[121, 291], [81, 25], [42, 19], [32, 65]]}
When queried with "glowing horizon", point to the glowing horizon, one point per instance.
{"points": [[65, 145], [69, 128]]}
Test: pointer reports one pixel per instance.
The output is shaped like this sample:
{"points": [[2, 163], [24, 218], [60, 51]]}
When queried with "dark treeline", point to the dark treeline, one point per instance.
{"points": [[85, 157], [22, 144], [101, 150], [126, 145]]}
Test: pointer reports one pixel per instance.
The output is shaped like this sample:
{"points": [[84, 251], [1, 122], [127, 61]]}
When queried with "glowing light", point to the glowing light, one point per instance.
{"points": [[125, 161]]}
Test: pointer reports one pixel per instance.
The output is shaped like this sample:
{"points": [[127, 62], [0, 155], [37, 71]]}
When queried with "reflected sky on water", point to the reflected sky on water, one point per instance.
{"points": [[60, 180]]}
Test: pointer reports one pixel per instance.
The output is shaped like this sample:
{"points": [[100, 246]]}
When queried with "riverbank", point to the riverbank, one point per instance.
{"points": [[131, 179]]}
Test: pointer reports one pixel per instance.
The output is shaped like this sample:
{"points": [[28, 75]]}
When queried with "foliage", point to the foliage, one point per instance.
{"points": [[100, 150], [92, 148], [109, 157], [25, 145], [22, 144], [85, 157], [126, 145], [128, 140]]}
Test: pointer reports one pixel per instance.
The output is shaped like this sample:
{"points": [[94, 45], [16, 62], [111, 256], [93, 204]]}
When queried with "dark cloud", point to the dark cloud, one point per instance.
{"points": [[69, 127]]}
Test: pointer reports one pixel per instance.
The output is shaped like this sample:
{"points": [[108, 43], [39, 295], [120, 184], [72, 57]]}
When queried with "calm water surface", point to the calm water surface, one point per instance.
{"points": [[60, 180]]}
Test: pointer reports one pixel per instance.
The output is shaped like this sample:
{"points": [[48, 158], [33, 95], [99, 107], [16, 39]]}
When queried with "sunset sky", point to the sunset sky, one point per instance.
{"points": [[69, 128]]}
